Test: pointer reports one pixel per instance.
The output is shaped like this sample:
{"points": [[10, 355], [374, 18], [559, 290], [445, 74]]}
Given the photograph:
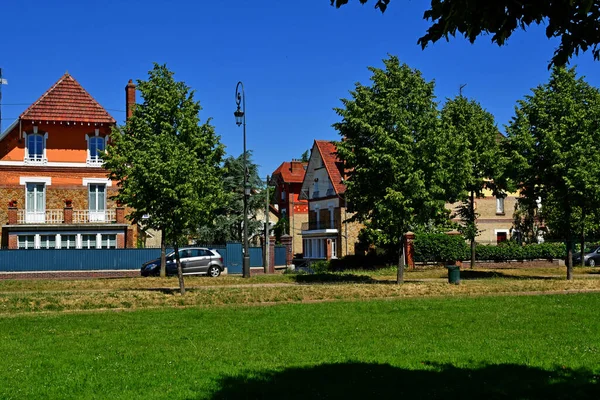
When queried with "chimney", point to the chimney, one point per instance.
{"points": [[129, 98]]}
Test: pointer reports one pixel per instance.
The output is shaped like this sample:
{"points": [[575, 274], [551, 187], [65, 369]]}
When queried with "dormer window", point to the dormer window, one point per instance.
{"points": [[96, 145], [35, 147]]}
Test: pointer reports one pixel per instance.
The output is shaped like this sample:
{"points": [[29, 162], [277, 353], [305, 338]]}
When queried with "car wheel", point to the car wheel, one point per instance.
{"points": [[214, 271], [592, 263]]}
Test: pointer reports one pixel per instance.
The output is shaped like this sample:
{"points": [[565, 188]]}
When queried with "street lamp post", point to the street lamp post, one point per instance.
{"points": [[240, 119]]}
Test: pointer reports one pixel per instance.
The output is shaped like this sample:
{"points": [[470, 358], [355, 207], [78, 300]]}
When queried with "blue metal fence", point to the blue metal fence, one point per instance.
{"points": [[280, 255], [75, 259], [117, 259]]}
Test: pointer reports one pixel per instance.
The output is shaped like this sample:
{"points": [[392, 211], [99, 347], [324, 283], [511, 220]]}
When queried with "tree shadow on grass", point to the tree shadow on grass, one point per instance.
{"points": [[333, 278], [356, 380], [474, 274]]}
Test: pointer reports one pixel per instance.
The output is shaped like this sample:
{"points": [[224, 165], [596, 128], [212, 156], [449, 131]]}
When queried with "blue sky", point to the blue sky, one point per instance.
{"points": [[296, 59]]}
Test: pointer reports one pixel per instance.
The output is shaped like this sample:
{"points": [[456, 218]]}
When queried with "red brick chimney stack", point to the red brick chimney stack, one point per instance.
{"points": [[129, 98]]}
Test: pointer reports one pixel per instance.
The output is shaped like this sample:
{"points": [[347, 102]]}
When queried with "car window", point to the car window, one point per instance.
{"points": [[195, 252], [205, 253], [184, 253]]}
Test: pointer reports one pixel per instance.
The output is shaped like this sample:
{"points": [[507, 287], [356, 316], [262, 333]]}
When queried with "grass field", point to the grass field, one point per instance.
{"points": [[534, 347]]}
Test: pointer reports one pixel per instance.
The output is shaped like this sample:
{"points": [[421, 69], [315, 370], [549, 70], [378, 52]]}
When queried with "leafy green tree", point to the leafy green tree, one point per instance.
{"points": [[166, 163], [396, 155], [481, 160], [228, 222], [553, 144], [576, 23]]}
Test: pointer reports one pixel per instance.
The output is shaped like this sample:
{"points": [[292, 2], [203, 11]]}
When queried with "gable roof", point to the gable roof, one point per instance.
{"points": [[335, 168], [291, 174], [67, 101]]}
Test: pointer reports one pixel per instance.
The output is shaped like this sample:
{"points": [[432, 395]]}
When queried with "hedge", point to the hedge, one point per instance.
{"points": [[442, 247]]}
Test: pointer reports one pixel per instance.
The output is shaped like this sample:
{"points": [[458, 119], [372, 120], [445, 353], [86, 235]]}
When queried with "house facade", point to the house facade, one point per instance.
{"points": [[495, 217], [287, 179], [54, 193], [327, 233]]}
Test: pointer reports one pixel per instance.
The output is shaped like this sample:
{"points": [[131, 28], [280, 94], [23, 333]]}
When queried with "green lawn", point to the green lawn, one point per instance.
{"points": [[536, 347]]}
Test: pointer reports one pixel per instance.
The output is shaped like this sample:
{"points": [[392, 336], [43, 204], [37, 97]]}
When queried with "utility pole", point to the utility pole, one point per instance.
{"points": [[267, 239], [2, 82]]}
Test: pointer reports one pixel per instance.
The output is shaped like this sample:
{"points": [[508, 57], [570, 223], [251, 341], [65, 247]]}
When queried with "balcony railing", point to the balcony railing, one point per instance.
{"points": [[316, 225], [58, 217], [93, 217]]}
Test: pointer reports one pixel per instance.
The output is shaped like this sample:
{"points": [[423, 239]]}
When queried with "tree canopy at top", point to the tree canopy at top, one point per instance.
{"points": [[576, 23]]}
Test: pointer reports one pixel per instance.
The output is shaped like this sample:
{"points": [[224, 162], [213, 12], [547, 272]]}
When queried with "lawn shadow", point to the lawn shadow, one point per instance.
{"points": [[355, 380], [467, 274], [333, 278]]}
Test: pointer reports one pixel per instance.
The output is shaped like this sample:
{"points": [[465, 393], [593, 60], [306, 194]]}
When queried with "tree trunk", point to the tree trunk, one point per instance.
{"points": [[163, 254], [179, 270], [569, 253], [400, 277], [582, 236], [472, 212]]}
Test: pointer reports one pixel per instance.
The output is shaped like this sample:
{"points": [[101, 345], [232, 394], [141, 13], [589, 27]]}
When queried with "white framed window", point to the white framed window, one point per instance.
{"points": [[96, 145], [26, 241], [108, 241], [35, 202], [499, 205], [68, 241], [35, 147], [89, 241], [97, 202], [48, 242], [333, 248], [283, 195]]}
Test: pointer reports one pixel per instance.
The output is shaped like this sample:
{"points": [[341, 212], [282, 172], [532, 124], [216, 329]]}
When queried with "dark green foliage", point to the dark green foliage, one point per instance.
{"points": [[305, 156], [553, 145], [576, 23], [227, 225], [513, 251], [439, 247]]}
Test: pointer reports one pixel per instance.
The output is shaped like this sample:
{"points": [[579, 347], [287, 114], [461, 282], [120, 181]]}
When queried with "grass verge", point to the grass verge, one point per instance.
{"points": [[538, 347]]}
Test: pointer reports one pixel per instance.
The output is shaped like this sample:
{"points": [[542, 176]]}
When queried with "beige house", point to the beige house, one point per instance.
{"points": [[327, 234], [495, 217]]}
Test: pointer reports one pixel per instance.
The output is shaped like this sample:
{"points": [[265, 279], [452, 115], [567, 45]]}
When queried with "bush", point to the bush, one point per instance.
{"points": [[439, 247], [320, 266], [513, 251]]}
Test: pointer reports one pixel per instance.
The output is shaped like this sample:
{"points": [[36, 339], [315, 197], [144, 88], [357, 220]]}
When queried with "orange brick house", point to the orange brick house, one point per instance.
{"points": [[287, 179], [54, 193], [327, 234]]}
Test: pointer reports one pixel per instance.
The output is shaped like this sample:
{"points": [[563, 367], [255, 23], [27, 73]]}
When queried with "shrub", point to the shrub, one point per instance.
{"points": [[439, 247], [320, 266]]}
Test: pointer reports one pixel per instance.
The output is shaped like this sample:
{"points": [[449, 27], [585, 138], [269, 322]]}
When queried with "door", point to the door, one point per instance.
{"points": [[35, 203], [97, 203], [204, 260], [192, 261]]}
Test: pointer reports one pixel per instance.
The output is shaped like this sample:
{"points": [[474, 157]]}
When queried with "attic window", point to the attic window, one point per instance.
{"points": [[96, 145], [35, 147]]}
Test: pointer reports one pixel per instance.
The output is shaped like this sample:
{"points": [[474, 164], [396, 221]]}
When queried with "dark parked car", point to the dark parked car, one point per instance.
{"points": [[590, 256], [194, 261]]}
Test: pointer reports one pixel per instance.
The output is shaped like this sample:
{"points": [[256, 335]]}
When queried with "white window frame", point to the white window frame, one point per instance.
{"points": [[37, 216], [97, 161], [96, 215], [499, 205], [35, 161]]}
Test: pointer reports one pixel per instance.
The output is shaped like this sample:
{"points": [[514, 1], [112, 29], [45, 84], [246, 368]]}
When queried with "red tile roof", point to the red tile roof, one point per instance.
{"points": [[335, 168], [67, 101], [289, 174]]}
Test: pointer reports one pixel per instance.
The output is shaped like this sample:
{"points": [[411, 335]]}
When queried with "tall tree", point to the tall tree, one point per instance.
{"points": [[391, 135], [576, 23], [481, 160], [166, 163], [553, 144], [228, 222]]}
